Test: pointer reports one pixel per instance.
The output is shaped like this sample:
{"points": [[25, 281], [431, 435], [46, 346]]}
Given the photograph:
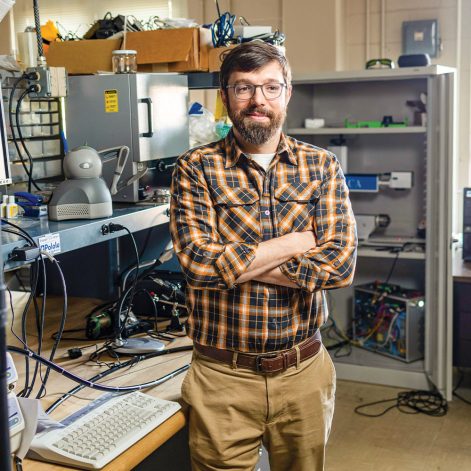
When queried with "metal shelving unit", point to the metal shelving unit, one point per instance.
{"points": [[335, 131], [41, 124], [428, 152]]}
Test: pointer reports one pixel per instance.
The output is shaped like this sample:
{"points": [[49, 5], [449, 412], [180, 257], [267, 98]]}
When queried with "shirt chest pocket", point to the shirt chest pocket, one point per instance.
{"points": [[295, 205], [238, 211]]}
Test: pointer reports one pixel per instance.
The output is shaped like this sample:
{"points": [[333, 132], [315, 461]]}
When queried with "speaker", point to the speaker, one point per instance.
{"points": [[467, 224], [413, 60]]}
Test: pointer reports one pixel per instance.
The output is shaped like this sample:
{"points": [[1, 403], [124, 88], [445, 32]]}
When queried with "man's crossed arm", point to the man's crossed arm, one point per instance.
{"points": [[270, 254]]}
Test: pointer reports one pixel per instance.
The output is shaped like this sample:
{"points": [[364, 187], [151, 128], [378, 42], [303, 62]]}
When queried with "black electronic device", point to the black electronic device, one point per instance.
{"points": [[156, 293], [467, 224], [100, 325], [414, 60]]}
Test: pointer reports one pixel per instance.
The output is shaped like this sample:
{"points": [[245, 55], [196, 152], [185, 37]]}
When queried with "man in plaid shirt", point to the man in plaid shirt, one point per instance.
{"points": [[262, 225]]}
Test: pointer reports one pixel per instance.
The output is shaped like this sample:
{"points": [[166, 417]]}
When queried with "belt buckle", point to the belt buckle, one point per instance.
{"points": [[259, 358]]}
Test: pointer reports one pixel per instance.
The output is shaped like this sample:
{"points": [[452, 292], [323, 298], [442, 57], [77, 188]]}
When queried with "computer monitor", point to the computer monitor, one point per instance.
{"points": [[5, 175]]}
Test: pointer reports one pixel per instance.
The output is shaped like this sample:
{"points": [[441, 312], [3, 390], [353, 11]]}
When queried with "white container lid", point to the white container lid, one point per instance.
{"points": [[124, 51], [11, 199]]}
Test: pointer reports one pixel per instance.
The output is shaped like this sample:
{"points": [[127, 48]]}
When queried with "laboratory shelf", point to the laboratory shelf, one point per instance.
{"points": [[327, 130]]}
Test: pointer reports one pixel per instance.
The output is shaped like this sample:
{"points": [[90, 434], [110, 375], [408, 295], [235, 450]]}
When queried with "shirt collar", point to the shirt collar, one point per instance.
{"points": [[233, 151]]}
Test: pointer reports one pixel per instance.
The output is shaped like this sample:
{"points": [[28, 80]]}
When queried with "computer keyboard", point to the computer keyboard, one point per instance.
{"points": [[101, 431]]}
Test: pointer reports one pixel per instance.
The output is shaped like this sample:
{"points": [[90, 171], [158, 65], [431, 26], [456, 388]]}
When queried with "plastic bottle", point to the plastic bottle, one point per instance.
{"points": [[11, 208], [3, 207]]}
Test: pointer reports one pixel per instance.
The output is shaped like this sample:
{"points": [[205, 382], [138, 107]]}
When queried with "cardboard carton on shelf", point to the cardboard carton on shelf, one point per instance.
{"points": [[165, 50], [216, 56], [83, 57], [171, 50]]}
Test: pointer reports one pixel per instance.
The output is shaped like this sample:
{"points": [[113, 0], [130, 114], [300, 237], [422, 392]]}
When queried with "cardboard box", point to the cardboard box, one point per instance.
{"points": [[82, 57], [216, 55], [171, 50]]}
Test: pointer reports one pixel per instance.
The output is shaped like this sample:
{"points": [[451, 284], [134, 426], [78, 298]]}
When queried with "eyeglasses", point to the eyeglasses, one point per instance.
{"points": [[245, 91]]}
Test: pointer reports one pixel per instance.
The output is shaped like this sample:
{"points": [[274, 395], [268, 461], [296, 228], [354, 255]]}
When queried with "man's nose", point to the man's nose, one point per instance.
{"points": [[258, 96]]}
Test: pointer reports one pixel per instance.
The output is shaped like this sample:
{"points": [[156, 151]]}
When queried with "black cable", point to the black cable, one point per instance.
{"points": [[61, 327], [40, 318], [114, 368], [37, 25], [19, 229], [12, 125], [393, 266], [12, 310], [430, 403], [136, 278], [33, 283], [119, 327], [87, 383], [20, 135]]}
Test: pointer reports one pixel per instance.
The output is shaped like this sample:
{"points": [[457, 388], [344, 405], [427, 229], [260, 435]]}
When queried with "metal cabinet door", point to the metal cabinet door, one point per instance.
{"points": [[439, 279], [161, 107]]}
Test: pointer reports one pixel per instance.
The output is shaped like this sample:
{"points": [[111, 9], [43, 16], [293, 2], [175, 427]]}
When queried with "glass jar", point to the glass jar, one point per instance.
{"points": [[161, 195], [124, 61]]}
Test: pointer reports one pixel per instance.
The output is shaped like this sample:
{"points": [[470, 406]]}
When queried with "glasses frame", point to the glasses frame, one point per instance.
{"points": [[283, 85]]}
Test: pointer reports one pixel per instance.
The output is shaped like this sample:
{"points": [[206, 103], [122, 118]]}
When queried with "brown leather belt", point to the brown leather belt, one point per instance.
{"points": [[275, 362]]}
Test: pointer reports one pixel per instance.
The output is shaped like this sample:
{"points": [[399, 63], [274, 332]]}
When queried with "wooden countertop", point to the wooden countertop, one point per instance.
{"points": [[461, 269], [144, 371]]}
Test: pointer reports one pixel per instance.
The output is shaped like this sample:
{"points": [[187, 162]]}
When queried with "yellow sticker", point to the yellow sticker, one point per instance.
{"points": [[111, 101]]}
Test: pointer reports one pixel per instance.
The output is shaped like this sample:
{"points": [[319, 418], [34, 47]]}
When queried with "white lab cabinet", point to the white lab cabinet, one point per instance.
{"points": [[426, 149]]}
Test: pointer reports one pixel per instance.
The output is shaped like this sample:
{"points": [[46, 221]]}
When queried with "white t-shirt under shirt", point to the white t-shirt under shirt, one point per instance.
{"points": [[263, 160]]}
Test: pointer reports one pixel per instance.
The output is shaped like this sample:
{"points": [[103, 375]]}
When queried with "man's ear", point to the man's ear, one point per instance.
{"points": [[224, 97], [289, 90]]}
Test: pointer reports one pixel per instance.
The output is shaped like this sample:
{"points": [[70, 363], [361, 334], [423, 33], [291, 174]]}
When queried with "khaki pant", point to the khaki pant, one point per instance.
{"points": [[232, 411]]}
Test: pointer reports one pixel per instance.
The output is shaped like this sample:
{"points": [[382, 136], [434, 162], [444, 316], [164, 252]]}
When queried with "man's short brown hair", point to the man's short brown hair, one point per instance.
{"points": [[251, 56]]}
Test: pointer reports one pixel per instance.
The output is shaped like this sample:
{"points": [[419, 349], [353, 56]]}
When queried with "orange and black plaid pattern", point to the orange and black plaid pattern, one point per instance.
{"points": [[223, 204]]}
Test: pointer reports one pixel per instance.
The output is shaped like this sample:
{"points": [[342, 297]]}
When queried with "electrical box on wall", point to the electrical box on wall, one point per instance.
{"points": [[421, 37]]}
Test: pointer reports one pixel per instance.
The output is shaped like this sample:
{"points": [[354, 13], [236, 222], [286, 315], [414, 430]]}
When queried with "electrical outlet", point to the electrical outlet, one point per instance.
{"points": [[49, 81]]}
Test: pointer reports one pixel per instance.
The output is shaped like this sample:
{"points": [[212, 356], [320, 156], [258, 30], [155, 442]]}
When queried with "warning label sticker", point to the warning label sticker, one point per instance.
{"points": [[111, 101]]}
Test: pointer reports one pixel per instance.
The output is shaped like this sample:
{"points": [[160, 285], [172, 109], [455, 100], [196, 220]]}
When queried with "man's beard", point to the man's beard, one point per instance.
{"points": [[254, 132]]}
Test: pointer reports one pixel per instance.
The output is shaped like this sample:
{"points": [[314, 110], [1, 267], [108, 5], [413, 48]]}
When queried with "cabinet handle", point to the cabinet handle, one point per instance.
{"points": [[150, 132]]}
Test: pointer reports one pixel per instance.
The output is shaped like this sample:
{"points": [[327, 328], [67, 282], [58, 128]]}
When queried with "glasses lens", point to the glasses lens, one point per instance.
{"points": [[272, 90], [244, 90]]}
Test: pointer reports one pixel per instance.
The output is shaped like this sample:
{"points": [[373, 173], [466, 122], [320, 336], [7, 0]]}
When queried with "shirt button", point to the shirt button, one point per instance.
{"points": [[267, 213]]}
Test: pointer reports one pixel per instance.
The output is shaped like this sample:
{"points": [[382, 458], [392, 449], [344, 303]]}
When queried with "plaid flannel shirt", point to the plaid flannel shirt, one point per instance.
{"points": [[223, 204]]}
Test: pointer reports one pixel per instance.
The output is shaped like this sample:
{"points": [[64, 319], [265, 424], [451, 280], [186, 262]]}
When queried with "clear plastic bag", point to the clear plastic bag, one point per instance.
{"points": [[203, 126]]}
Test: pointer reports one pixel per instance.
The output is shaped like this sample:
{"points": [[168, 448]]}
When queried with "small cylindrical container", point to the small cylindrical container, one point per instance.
{"points": [[124, 61], [3, 207], [11, 208]]}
